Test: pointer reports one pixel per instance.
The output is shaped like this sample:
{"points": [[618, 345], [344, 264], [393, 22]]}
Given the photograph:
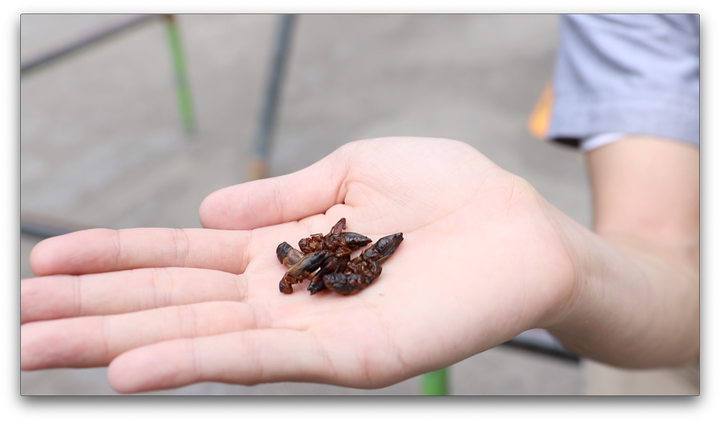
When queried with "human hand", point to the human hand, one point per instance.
{"points": [[483, 259]]}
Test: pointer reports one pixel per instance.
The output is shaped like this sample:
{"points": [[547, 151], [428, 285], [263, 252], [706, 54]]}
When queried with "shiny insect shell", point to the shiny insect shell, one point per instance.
{"points": [[325, 261]]}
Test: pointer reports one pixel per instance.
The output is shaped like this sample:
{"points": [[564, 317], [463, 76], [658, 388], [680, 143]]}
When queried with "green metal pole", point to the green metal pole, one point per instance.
{"points": [[435, 383], [183, 89]]}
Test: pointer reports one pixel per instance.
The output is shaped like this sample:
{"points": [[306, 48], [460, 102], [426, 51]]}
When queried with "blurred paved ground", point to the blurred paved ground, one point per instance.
{"points": [[102, 144]]}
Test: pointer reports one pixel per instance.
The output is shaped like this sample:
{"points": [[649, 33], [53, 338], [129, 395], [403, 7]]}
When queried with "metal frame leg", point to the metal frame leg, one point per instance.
{"points": [[435, 383], [257, 168], [178, 59], [176, 51]]}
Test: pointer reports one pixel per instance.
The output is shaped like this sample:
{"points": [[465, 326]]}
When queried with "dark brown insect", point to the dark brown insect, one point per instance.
{"points": [[325, 261]]}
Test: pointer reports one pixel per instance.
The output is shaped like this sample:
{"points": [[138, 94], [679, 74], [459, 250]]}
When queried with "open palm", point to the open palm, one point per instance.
{"points": [[483, 259]]}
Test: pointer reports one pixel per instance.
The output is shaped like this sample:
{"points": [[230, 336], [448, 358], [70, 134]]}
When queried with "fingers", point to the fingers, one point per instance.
{"points": [[105, 250], [94, 341], [247, 358], [63, 296], [239, 357], [271, 201]]}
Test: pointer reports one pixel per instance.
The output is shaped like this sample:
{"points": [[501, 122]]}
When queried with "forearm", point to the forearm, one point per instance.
{"points": [[633, 307], [636, 301]]}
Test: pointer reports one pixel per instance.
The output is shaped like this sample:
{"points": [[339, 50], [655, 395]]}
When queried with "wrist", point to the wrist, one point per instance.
{"points": [[633, 305]]}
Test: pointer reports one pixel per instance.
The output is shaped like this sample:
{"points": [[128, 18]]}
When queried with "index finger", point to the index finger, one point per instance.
{"points": [[107, 250]]}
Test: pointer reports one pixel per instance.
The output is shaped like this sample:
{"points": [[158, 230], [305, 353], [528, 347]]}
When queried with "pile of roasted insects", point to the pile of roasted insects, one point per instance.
{"points": [[325, 261]]}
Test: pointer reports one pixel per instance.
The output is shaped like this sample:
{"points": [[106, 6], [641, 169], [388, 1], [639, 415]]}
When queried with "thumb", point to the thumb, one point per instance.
{"points": [[272, 201]]}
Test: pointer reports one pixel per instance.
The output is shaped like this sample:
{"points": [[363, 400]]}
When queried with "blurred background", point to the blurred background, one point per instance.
{"points": [[113, 136]]}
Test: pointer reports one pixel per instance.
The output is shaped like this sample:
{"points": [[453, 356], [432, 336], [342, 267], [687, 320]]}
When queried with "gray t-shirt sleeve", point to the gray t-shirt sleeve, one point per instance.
{"points": [[634, 74]]}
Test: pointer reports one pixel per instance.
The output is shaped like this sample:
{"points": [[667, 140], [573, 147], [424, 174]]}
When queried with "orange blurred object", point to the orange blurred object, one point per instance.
{"points": [[539, 121]]}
